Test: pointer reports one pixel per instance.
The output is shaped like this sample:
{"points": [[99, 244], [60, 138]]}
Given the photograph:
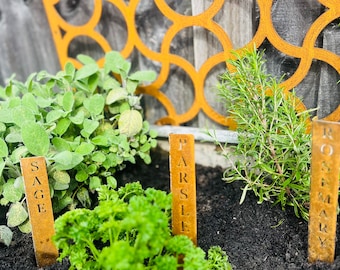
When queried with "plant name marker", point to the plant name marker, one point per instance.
{"points": [[183, 185], [324, 191], [40, 209]]}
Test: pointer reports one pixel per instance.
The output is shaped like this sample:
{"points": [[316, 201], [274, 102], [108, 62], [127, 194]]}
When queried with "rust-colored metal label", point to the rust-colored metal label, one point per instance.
{"points": [[324, 191], [40, 209], [183, 185]]}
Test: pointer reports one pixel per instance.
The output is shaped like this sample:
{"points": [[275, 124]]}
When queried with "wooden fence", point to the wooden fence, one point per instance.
{"points": [[186, 42]]}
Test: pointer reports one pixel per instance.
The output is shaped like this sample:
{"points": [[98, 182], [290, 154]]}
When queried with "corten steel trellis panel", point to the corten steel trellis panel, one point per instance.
{"points": [[63, 34]]}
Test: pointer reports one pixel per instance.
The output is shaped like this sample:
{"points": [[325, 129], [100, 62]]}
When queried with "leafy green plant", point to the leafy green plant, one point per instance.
{"points": [[274, 148], [218, 259], [129, 229], [88, 123]]}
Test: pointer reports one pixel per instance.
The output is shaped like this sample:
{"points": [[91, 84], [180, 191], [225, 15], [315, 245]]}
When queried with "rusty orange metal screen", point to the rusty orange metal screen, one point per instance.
{"points": [[63, 33]]}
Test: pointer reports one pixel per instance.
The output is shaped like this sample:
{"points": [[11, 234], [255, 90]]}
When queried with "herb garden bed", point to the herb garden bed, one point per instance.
{"points": [[255, 236]]}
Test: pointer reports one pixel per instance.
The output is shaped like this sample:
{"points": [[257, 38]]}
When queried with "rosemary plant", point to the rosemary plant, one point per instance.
{"points": [[274, 148]]}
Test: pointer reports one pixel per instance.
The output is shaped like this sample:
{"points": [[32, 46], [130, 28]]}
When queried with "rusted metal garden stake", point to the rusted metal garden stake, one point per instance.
{"points": [[40, 209], [324, 191], [183, 185]]}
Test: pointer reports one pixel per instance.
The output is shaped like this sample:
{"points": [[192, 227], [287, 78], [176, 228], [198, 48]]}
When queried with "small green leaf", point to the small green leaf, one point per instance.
{"points": [[79, 98], [16, 215], [85, 59], [6, 115], [112, 160], [95, 182], [28, 100], [145, 147], [29, 82], [147, 159], [61, 177], [92, 82], [85, 148], [35, 139], [123, 142], [3, 148], [61, 144], [2, 128], [60, 204], [110, 83], [143, 138], [19, 184], [75, 142], [244, 193], [100, 140], [22, 115], [115, 95], [153, 143], [10, 192], [111, 181], [14, 102], [130, 123], [18, 153], [68, 101], [89, 126], [4, 202], [67, 160], [60, 186], [95, 104], [98, 157], [69, 69], [14, 136], [2, 166], [143, 75], [92, 168], [114, 109], [131, 86], [78, 118], [104, 128], [81, 176], [42, 75], [43, 102], [62, 126], [25, 227], [134, 101], [115, 62], [153, 133], [125, 106], [84, 197], [86, 71], [54, 115], [6, 235]]}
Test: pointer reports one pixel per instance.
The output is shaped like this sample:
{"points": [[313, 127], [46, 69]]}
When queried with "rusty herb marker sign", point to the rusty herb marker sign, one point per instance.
{"points": [[40, 209], [324, 191], [183, 185]]}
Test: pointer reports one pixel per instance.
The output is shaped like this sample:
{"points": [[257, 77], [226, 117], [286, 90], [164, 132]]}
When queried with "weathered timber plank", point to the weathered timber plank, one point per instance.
{"points": [[152, 27], [79, 13], [111, 25], [329, 90], [292, 19], [26, 43], [236, 18]]}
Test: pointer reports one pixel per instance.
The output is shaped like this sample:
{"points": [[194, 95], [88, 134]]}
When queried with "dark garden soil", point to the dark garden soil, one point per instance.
{"points": [[255, 236]]}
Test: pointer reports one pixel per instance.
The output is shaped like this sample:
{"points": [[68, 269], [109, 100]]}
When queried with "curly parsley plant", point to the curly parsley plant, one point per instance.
{"points": [[129, 229]]}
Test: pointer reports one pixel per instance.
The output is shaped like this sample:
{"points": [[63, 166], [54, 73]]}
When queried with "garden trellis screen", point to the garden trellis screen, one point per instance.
{"points": [[187, 43]]}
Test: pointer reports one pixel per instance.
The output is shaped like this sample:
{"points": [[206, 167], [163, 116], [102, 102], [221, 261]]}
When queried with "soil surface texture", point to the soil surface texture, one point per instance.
{"points": [[255, 236]]}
